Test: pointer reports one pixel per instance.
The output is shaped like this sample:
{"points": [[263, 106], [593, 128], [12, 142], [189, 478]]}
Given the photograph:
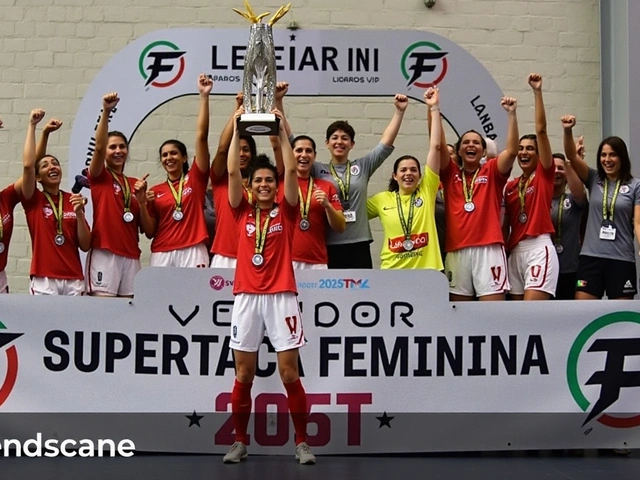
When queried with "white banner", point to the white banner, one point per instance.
{"points": [[390, 366], [164, 65]]}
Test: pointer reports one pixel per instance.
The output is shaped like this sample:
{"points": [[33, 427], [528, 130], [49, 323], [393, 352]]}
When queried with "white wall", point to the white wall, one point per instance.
{"points": [[50, 50]]}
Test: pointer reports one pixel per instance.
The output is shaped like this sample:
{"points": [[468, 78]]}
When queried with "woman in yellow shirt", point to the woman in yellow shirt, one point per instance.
{"points": [[406, 210]]}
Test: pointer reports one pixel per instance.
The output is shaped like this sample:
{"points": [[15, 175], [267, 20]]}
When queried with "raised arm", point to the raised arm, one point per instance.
{"points": [[219, 164], [51, 126], [544, 146], [26, 185], [233, 163], [281, 90], [83, 230], [109, 102], [391, 132], [205, 84], [577, 163], [508, 156], [148, 223], [290, 170], [576, 186], [432, 99]]}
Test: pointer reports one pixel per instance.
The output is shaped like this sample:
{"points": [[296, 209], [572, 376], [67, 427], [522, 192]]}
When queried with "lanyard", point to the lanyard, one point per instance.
{"points": [[466, 189], [57, 212], [1, 227], [343, 185], [408, 223], [249, 194], [560, 212], [177, 196], [261, 235], [522, 190], [305, 204], [607, 210], [126, 189]]}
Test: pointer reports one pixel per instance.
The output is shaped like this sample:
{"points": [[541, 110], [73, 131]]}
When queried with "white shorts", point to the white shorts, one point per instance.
{"points": [[534, 265], [190, 257], [4, 286], [477, 271], [56, 286], [220, 261], [277, 313], [110, 274], [309, 266]]}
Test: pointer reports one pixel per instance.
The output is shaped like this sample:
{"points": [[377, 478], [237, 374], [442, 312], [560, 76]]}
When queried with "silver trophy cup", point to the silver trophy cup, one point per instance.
{"points": [[259, 83]]}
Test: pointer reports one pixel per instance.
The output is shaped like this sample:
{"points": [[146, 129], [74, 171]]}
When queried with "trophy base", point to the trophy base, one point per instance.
{"points": [[258, 124]]}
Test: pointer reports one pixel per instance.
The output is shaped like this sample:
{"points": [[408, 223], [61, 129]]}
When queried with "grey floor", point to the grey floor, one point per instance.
{"points": [[494, 466]]}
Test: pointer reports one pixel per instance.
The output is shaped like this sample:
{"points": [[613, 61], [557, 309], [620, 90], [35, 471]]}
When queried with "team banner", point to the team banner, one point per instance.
{"points": [[164, 65], [390, 366]]}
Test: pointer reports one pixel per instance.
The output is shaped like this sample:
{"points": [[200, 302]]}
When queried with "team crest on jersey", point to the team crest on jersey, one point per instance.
{"points": [[418, 202], [251, 228], [47, 211], [355, 170], [624, 189], [116, 188], [567, 204]]}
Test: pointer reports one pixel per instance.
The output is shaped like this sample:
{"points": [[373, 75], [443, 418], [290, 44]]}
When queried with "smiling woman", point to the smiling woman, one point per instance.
{"points": [[406, 211], [56, 221], [171, 212]]}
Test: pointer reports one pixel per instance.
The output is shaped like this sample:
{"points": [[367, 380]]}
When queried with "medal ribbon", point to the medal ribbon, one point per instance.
{"points": [[560, 212], [466, 189], [1, 227], [342, 185], [57, 212], [522, 190], [305, 204], [177, 196], [261, 235], [126, 189], [607, 210], [249, 194], [408, 223]]}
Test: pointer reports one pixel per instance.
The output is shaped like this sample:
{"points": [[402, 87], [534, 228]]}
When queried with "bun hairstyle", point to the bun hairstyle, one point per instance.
{"points": [[261, 162]]}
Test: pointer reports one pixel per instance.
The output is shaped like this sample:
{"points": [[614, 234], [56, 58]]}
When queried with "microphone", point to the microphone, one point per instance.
{"points": [[81, 181]]}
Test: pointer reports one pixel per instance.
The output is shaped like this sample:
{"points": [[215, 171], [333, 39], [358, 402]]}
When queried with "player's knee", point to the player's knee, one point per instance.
{"points": [[289, 373], [245, 373]]}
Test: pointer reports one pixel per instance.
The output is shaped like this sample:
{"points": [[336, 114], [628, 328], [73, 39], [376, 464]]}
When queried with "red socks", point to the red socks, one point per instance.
{"points": [[297, 399], [241, 409]]}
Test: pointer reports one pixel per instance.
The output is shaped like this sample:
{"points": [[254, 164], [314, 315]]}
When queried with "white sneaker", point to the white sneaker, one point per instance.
{"points": [[237, 453], [304, 455]]}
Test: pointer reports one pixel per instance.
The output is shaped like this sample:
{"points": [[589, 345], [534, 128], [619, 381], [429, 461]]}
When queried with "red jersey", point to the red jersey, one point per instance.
{"points": [[48, 259], [192, 229], [482, 225], [309, 245], [225, 242], [538, 195], [275, 275], [8, 200], [110, 231]]}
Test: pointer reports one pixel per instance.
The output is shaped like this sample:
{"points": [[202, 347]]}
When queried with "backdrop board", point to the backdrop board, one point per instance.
{"points": [[390, 366]]}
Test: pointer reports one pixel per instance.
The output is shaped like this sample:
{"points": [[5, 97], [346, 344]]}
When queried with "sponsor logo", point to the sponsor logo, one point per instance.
{"points": [[344, 283], [11, 362], [598, 340], [420, 240], [424, 64], [161, 64]]}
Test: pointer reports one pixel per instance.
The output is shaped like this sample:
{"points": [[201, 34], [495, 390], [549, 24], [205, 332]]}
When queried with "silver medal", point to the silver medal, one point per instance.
{"points": [[127, 217], [559, 248], [304, 224], [1, 247], [407, 245], [177, 215], [523, 218], [59, 239], [469, 207], [257, 260]]}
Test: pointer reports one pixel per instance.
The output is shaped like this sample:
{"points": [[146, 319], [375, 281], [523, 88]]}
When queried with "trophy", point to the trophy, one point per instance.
{"points": [[259, 70]]}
